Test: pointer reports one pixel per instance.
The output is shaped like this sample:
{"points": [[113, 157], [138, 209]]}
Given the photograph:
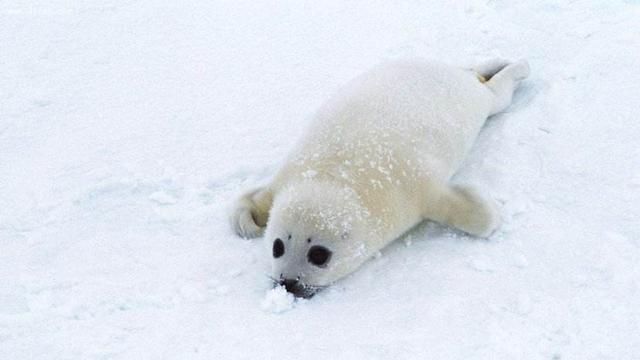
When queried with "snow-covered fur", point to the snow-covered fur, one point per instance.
{"points": [[375, 161]]}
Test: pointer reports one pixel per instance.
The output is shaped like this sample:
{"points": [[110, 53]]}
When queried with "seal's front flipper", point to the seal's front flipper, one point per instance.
{"points": [[250, 213], [464, 208], [504, 81]]}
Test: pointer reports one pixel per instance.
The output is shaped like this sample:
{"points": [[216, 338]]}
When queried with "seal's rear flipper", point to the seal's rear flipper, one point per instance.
{"points": [[502, 79], [487, 69]]}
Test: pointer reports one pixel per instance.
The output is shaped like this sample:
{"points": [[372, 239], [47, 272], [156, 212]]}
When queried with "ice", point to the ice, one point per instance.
{"points": [[163, 198], [193, 292], [524, 304], [521, 261], [481, 263], [13, 304]]}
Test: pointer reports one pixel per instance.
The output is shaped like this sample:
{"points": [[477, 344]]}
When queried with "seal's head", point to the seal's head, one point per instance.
{"points": [[317, 233]]}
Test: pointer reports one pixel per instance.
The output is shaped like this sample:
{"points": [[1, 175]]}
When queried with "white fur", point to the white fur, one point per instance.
{"points": [[376, 161]]}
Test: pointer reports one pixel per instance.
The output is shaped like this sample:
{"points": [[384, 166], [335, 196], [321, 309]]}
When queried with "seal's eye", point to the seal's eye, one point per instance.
{"points": [[278, 248], [319, 255]]}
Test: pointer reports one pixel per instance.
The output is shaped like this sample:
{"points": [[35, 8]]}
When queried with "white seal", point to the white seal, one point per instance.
{"points": [[375, 161]]}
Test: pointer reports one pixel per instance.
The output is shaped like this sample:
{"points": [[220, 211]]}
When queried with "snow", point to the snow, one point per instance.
{"points": [[278, 300], [126, 127]]}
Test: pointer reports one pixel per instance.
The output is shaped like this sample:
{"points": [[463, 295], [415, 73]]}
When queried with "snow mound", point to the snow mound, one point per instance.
{"points": [[277, 300]]}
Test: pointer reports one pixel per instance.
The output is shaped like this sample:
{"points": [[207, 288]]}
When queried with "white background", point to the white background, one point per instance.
{"points": [[127, 127]]}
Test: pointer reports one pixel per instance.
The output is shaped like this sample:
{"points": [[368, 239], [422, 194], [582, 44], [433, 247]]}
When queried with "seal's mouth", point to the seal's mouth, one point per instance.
{"points": [[297, 288]]}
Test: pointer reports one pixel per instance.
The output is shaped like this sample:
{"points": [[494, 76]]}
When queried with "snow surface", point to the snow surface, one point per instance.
{"points": [[126, 127]]}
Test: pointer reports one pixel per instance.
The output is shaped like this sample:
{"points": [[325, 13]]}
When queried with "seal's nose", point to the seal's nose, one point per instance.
{"points": [[297, 288], [292, 285]]}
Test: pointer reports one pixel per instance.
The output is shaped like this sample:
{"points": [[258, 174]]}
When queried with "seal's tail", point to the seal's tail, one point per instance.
{"points": [[502, 78]]}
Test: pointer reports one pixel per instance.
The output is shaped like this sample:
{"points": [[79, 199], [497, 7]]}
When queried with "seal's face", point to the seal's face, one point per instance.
{"points": [[305, 259], [315, 236], [303, 264]]}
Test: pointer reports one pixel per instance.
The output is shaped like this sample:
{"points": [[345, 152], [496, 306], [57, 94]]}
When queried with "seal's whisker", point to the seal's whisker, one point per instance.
{"points": [[272, 279]]}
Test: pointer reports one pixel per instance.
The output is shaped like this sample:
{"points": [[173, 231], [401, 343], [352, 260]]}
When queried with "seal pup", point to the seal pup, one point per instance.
{"points": [[376, 160]]}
